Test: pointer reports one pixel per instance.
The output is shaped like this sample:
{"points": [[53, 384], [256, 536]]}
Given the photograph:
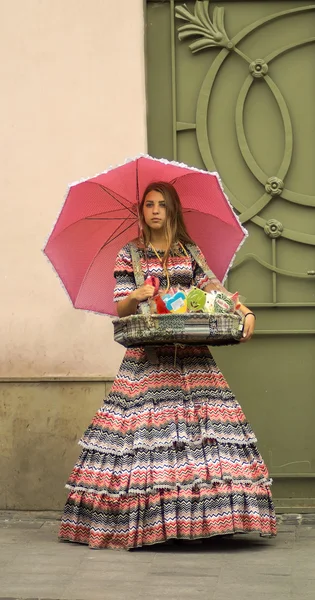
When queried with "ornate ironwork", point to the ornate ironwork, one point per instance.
{"points": [[211, 33], [273, 228], [258, 68], [274, 186]]}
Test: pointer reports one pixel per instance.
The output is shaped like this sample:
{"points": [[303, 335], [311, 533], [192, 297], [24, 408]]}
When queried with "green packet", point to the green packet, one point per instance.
{"points": [[210, 302]]}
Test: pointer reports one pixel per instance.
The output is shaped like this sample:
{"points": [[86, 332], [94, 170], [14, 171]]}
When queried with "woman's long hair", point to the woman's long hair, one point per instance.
{"points": [[175, 228]]}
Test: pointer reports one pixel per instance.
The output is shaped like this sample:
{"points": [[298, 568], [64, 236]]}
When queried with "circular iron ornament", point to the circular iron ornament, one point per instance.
{"points": [[202, 129], [273, 228], [258, 68], [274, 186]]}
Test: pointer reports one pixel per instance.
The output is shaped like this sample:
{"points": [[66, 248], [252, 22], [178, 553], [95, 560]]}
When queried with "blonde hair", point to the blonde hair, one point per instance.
{"points": [[175, 228]]}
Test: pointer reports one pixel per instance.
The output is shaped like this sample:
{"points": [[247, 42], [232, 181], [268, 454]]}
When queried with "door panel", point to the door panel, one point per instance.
{"points": [[231, 89]]}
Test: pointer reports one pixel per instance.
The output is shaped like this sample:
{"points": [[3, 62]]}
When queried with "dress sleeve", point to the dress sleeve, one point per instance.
{"points": [[123, 273]]}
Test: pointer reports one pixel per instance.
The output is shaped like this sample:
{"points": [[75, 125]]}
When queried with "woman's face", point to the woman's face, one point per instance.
{"points": [[154, 210]]}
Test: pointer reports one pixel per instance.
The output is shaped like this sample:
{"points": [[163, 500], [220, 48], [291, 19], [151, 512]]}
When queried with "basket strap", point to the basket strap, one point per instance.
{"points": [[200, 260], [136, 264], [138, 273]]}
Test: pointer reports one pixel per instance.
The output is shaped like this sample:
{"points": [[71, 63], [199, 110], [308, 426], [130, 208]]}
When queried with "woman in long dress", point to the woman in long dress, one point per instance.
{"points": [[170, 454]]}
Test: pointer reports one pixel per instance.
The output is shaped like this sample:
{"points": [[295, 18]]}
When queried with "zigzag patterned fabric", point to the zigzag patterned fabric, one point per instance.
{"points": [[170, 453]]}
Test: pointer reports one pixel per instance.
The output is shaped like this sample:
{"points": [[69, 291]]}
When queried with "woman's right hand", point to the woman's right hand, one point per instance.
{"points": [[143, 293], [129, 305]]}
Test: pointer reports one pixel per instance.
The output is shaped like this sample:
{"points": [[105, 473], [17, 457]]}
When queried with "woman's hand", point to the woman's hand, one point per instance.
{"points": [[249, 326], [129, 305], [143, 293]]}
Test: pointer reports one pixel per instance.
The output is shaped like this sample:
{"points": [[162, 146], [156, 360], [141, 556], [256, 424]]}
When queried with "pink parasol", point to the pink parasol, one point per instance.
{"points": [[100, 215]]}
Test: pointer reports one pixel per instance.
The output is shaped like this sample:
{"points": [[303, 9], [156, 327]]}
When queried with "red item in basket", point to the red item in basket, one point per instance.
{"points": [[236, 301], [154, 281], [160, 306]]}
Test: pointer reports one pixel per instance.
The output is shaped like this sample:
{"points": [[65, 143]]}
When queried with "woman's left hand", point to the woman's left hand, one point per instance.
{"points": [[249, 327]]}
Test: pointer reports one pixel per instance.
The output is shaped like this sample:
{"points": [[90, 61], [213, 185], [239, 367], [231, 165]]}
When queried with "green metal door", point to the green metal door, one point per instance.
{"points": [[231, 88]]}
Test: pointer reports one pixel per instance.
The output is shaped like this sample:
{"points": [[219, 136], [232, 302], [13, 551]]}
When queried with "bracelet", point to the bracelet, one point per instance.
{"points": [[250, 313]]}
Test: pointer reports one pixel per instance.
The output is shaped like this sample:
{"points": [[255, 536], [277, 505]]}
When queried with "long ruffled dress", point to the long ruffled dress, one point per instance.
{"points": [[170, 453]]}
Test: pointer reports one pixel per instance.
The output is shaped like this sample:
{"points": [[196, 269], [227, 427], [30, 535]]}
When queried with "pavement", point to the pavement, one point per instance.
{"points": [[35, 566]]}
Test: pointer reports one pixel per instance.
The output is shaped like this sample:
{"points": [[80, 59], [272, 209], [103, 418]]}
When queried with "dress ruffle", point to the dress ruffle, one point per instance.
{"points": [[186, 467], [133, 521], [170, 454], [119, 431]]}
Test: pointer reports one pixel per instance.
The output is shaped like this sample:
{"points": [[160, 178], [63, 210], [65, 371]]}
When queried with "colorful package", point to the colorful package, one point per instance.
{"points": [[176, 303]]}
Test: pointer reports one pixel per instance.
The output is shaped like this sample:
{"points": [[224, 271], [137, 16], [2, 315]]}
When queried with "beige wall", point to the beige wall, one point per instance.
{"points": [[72, 103], [40, 425]]}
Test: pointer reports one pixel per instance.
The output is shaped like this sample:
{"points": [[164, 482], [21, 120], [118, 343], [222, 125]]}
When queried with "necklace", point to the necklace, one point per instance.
{"points": [[164, 264]]}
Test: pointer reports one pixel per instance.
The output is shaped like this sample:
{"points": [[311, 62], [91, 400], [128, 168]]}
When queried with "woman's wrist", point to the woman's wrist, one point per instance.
{"points": [[245, 311], [133, 298], [128, 306]]}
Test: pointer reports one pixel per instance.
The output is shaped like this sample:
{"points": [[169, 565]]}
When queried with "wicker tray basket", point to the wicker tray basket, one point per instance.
{"points": [[188, 328]]}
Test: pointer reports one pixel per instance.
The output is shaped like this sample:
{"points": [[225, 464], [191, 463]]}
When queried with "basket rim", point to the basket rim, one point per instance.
{"points": [[180, 316]]}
